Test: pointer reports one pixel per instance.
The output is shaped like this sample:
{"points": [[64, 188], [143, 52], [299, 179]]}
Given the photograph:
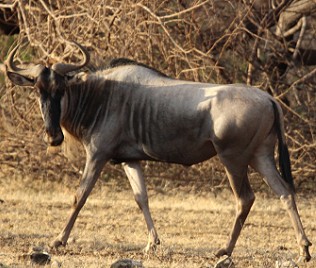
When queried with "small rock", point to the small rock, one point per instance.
{"points": [[127, 263], [38, 255], [41, 258], [225, 262]]}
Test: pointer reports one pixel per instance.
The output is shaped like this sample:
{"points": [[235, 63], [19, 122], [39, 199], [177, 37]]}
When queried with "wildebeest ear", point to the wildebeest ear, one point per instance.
{"points": [[20, 80]]}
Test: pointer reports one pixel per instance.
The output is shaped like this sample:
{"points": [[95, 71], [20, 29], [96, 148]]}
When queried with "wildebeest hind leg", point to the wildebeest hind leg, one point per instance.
{"points": [[244, 195], [135, 176], [265, 165]]}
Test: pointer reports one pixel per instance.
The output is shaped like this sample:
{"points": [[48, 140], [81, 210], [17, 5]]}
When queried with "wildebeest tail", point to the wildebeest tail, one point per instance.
{"points": [[284, 156]]}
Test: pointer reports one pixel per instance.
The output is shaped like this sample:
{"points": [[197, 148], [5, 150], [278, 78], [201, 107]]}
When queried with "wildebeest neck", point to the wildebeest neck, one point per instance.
{"points": [[83, 106]]}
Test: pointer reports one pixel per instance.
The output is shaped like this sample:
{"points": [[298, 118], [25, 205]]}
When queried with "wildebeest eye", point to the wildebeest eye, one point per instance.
{"points": [[43, 94], [57, 84]]}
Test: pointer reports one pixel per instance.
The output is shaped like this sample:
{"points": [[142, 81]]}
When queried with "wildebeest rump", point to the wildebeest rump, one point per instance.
{"points": [[130, 112]]}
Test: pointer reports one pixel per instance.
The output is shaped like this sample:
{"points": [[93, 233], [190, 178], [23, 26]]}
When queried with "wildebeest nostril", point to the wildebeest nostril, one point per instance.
{"points": [[54, 140], [57, 140]]}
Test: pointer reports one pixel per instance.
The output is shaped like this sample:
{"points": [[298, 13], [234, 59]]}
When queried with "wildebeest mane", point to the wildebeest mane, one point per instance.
{"points": [[99, 65], [124, 61]]}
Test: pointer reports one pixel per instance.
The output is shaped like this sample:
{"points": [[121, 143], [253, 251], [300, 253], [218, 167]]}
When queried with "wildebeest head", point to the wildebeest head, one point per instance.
{"points": [[50, 83]]}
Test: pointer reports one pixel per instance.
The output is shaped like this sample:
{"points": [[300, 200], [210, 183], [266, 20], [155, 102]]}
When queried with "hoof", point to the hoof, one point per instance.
{"points": [[57, 244], [222, 252], [225, 262], [151, 247], [305, 256], [304, 259]]}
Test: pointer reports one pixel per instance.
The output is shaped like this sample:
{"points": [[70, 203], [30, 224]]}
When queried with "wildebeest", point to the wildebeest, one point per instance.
{"points": [[130, 112]]}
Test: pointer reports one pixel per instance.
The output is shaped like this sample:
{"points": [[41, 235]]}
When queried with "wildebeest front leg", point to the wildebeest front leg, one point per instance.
{"points": [[136, 179], [91, 173]]}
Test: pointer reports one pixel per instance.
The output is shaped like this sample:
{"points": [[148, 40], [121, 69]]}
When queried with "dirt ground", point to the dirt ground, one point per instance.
{"points": [[191, 225]]}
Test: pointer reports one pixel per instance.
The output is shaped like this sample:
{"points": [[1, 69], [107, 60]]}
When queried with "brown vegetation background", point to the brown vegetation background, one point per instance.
{"points": [[266, 44]]}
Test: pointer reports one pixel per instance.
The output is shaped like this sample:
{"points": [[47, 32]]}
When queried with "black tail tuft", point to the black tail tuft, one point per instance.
{"points": [[284, 156]]}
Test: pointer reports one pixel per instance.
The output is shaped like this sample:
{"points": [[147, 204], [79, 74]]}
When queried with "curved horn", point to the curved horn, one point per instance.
{"points": [[9, 62], [31, 72], [64, 68]]}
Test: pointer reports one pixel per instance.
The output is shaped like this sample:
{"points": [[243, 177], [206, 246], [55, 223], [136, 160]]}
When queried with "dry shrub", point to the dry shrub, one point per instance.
{"points": [[209, 41]]}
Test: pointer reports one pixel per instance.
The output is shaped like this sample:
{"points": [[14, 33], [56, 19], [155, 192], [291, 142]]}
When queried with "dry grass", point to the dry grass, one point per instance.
{"points": [[191, 226]]}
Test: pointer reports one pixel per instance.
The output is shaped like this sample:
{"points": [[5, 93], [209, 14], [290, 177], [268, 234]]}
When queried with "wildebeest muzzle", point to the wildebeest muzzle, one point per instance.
{"points": [[54, 138]]}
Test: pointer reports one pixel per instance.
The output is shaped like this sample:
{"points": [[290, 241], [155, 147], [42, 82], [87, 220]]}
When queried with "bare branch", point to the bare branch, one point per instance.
{"points": [[9, 6], [299, 41], [184, 11]]}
